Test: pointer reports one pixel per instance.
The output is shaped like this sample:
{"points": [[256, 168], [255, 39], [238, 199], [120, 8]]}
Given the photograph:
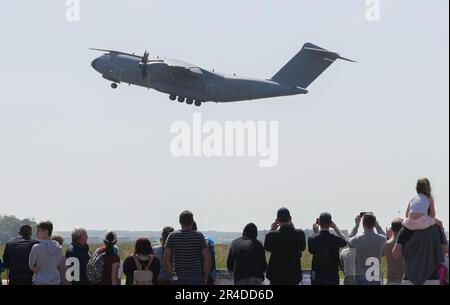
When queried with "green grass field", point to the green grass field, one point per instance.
{"points": [[221, 255]]}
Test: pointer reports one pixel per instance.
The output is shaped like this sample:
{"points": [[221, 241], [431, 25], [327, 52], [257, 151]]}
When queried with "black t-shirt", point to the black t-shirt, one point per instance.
{"points": [[286, 246], [405, 235], [129, 266], [324, 247]]}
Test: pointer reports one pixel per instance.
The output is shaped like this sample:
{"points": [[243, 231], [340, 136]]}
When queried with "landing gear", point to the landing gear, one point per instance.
{"points": [[181, 99], [172, 97], [198, 103], [189, 101], [114, 85]]}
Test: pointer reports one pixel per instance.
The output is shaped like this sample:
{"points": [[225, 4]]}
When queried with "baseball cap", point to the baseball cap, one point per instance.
{"points": [[325, 219]]}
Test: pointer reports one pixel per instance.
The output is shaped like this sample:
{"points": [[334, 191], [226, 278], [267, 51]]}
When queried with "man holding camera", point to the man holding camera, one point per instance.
{"points": [[286, 244], [369, 247], [324, 247]]}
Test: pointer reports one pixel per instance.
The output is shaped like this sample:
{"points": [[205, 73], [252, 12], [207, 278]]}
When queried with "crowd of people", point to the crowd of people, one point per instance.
{"points": [[416, 251]]}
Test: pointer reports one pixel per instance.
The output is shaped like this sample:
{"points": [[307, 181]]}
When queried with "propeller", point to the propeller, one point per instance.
{"points": [[143, 65]]}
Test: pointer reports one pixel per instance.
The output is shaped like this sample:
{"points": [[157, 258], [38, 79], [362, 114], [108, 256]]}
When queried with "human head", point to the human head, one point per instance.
{"points": [[143, 246], [396, 225], [165, 233], [44, 230], [325, 220], [25, 231], [186, 219], [110, 238], [194, 226], [59, 239], [80, 235], [369, 221], [250, 231], [283, 216], [423, 186]]}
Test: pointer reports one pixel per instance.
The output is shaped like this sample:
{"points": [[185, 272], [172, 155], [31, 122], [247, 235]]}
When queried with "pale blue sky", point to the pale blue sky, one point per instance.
{"points": [[77, 152]]}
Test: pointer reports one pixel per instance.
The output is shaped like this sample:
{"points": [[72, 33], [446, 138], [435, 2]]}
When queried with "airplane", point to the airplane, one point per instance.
{"points": [[189, 83]]}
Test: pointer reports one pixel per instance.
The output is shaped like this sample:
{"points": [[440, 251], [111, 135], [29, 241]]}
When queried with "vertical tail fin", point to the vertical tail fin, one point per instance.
{"points": [[306, 66]]}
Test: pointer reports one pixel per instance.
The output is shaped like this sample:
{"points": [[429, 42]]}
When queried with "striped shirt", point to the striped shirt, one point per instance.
{"points": [[186, 249]]}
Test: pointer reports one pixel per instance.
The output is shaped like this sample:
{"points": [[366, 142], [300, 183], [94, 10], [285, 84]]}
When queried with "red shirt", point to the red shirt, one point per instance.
{"points": [[109, 261]]}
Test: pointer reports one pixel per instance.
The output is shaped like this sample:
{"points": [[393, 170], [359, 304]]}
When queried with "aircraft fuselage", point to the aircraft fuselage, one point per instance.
{"points": [[179, 79]]}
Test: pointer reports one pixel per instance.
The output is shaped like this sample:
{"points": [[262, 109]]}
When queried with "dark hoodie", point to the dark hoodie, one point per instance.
{"points": [[81, 252], [15, 259], [247, 257]]}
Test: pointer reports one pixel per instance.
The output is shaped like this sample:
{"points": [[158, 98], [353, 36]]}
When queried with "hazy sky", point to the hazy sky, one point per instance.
{"points": [[79, 153]]}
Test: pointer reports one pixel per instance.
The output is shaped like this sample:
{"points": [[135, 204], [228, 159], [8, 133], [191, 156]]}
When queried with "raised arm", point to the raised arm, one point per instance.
{"points": [[380, 229], [338, 232], [355, 229]]}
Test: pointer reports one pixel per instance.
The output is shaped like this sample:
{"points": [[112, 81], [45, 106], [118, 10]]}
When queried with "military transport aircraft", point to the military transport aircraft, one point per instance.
{"points": [[191, 84]]}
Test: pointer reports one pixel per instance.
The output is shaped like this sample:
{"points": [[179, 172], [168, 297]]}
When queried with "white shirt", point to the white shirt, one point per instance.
{"points": [[348, 257]]}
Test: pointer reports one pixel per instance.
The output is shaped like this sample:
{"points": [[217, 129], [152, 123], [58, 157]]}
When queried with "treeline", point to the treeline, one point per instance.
{"points": [[10, 225]]}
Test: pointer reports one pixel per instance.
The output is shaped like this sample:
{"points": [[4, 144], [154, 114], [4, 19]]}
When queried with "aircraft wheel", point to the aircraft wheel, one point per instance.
{"points": [[189, 101], [114, 85], [172, 97], [198, 103], [181, 99]]}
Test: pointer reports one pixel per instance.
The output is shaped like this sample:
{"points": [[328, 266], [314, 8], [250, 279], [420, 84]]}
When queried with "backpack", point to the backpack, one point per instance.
{"points": [[142, 277], [95, 267]]}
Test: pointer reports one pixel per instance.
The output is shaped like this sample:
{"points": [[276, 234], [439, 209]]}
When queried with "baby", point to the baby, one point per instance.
{"points": [[421, 211]]}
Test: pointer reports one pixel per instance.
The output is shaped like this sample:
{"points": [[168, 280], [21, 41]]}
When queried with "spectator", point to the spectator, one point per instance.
{"points": [[423, 251], [210, 244], [79, 249], [142, 267], [348, 265], [111, 260], [16, 255], [421, 210], [45, 257], [285, 243], [163, 278], [324, 247], [247, 258], [183, 253], [395, 267], [369, 246], [62, 268]]}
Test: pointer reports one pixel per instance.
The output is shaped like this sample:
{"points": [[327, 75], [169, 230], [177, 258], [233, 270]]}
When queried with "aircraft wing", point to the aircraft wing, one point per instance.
{"points": [[115, 52], [181, 67]]}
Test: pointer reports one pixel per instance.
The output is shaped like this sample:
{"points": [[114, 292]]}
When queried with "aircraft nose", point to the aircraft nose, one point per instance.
{"points": [[93, 64]]}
